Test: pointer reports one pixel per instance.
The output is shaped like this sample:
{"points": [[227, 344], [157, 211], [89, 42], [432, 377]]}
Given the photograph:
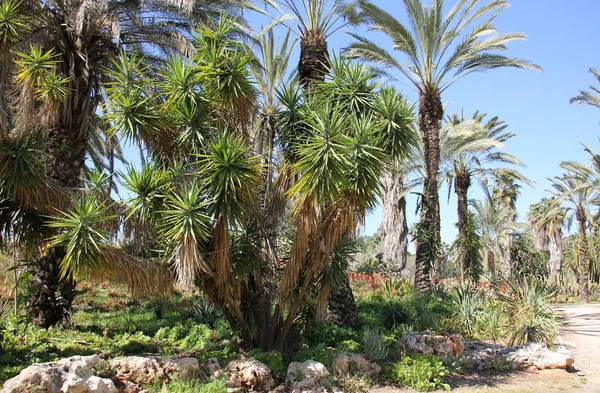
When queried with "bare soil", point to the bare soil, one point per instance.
{"points": [[579, 331]]}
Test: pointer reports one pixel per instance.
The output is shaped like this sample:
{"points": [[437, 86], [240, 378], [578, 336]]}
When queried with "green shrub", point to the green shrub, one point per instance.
{"points": [[134, 343], [328, 334], [374, 346], [192, 386], [320, 353], [351, 346], [492, 322], [273, 360], [467, 302], [422, 373], [531, 317]]}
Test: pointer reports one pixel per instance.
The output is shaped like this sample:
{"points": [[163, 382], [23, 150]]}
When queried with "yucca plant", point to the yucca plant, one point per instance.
{"points": [[467, 303]]}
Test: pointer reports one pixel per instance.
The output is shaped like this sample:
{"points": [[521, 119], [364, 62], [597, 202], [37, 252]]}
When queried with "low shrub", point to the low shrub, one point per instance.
{"points": [[530, 315], [422, 373], [273, 360]]}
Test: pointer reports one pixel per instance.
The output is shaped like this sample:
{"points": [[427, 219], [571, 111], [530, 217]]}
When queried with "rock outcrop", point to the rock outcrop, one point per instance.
{"points": [[305, 377], [72, 375], [355, 363], [145, 370], [484, 356], [426, 343], [538, 355], [249, 374]]}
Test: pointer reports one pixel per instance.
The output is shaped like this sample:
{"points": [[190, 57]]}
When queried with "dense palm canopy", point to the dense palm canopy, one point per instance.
{"points": [[439, 50]]}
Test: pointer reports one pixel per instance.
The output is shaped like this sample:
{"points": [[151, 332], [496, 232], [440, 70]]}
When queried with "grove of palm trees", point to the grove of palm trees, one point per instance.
{"points": [[295, 196]]}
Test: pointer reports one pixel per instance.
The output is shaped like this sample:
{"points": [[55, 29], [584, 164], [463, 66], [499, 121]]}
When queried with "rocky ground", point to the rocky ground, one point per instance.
{"points": [[579, 336], [579, 332]]}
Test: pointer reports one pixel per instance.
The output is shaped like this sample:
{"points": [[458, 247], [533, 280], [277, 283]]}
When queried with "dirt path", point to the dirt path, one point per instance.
{"points": [[579, 331]]}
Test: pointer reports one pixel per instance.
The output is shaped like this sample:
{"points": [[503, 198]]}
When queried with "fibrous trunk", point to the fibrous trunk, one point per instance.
{"points": [[394, 239], [584, 274], [65, 155], [462, 182], [50, 303], [314, 59], [341, 308], [555, 246], [428, 250]]}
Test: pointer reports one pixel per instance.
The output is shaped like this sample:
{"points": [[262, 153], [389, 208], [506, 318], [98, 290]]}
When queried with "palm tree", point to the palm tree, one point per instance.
{"points": [[575, 189], [589, 97], [494, 224], [436, 59], [468, 148], [317, 20], [269, 74], [547, 220]]}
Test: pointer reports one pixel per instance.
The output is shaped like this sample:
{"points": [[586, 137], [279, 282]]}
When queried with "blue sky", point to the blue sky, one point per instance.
{"points": [[562, 38]]}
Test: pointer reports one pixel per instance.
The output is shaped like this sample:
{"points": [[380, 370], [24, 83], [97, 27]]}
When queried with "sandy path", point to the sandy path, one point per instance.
{"points": [[579, 331]]}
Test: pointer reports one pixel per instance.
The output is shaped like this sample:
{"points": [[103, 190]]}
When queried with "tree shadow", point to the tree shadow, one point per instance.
{"points": [[484, 379]]}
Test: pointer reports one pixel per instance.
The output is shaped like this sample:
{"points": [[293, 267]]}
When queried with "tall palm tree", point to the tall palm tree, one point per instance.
{"points": [[589, 97], [494, 223], [436, 59], [547, 221], [576, 192], [270, 74], [470, 148]]}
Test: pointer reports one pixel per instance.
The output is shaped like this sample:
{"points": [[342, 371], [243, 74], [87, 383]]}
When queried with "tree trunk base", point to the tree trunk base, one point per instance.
{"points": [[51, 296], [341, 309]]}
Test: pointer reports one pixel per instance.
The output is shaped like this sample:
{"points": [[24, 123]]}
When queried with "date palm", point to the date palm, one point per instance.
{"points": [[589, 97], [576, 192], [470, 149], [440, 49], [494, 224], [547, 221], [317, 20]]}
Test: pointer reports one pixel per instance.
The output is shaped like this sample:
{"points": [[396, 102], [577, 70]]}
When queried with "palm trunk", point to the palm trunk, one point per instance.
{"points": [[314, 60], [584, 273], [555, 246], [462, 182], [341, 309], [491, 264], [428, 236], [65, 152], [395, 228], [50, 303]]}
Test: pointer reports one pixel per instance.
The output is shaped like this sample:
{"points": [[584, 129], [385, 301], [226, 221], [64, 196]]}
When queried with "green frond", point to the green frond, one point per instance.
{"points": [[81, 235], [230, 177], [12, 22]]}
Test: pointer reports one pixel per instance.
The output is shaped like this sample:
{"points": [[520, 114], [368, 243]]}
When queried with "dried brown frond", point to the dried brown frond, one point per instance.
{"points": [[307, 221], [219, 251], [186, 259], [142, 277]]}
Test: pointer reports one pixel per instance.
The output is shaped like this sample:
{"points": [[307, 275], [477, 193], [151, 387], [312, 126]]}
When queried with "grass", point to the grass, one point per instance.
{"points": [[105, 321]]}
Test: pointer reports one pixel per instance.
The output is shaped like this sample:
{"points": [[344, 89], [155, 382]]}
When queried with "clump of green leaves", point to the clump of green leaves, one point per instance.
{"points": [[531, 317], [191, 386], [375, 348], [422, 373], [273, 360]]}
